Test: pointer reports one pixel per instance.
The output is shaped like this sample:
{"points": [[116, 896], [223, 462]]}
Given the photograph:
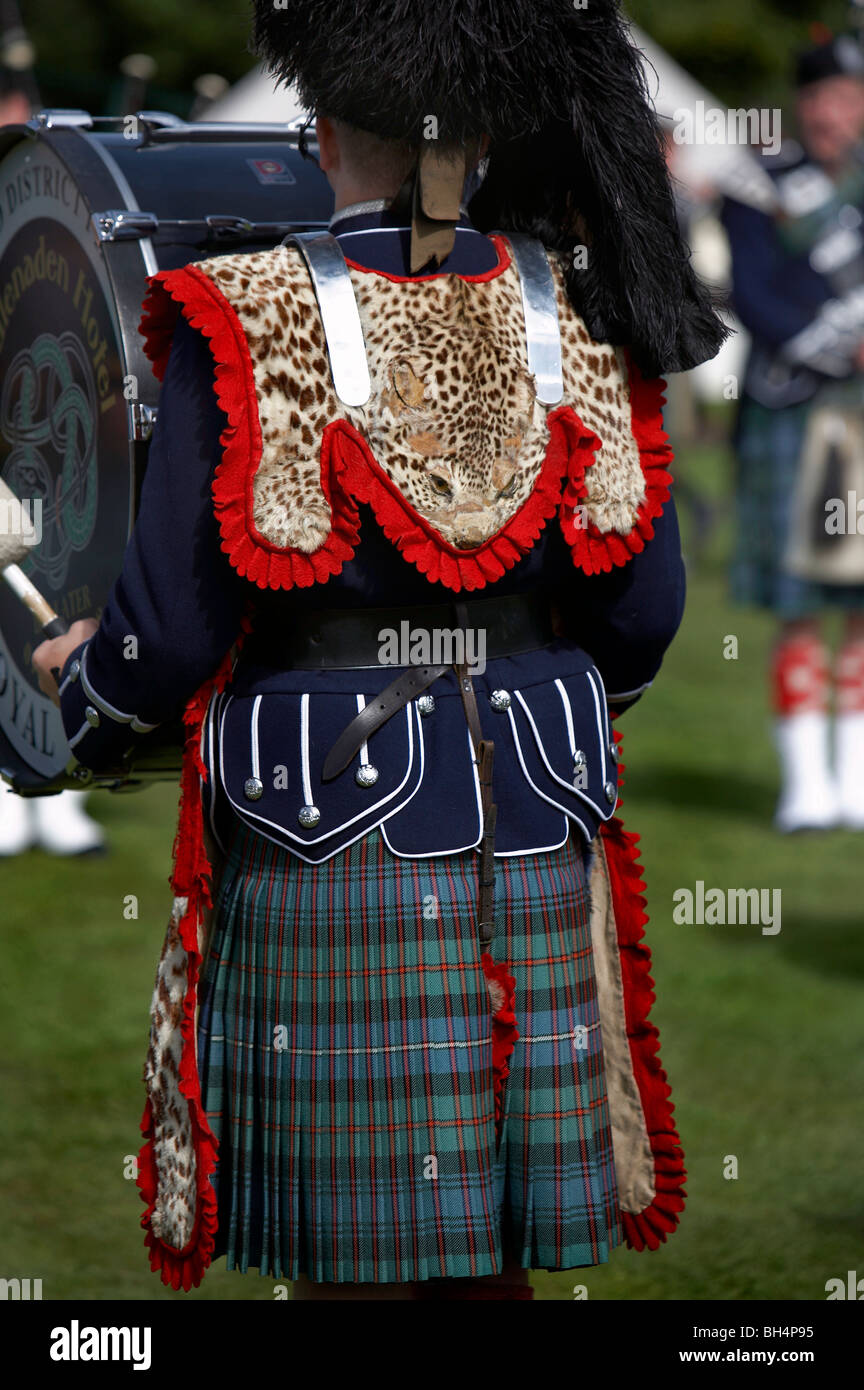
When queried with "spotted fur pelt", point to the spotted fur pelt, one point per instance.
{"points": [[173, 1219], [453, 419]]}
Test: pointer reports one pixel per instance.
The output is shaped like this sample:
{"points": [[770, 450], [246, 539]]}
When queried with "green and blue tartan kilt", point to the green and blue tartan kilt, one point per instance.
{"points": [[769, 444], [345, 1054]]}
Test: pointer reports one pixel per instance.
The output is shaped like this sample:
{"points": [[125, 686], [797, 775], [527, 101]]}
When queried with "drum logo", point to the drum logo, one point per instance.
{"points": [[48, 413], [271, 171]]}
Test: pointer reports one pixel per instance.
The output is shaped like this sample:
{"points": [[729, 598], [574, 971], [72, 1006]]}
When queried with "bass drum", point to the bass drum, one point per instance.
{"points": [[89, 207]]}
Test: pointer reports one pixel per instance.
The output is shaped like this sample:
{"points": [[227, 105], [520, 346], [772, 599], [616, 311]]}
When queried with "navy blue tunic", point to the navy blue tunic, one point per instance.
{"points": [[179, 597]]}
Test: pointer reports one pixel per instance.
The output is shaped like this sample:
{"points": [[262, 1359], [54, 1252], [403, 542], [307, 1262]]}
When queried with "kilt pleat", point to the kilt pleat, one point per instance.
{"points": [[345, 1053]]}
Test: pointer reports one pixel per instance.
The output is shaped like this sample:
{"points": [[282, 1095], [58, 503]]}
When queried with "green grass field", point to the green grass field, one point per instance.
{"points": [[761, 1035]]}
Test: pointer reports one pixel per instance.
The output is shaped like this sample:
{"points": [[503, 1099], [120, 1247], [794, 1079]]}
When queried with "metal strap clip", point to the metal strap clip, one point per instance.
{"points": [[540, 307], [340, 316]]}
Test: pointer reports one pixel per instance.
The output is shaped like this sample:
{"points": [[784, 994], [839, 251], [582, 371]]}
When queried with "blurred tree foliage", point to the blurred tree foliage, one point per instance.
{"points": [[80, 45], [740, 49]]}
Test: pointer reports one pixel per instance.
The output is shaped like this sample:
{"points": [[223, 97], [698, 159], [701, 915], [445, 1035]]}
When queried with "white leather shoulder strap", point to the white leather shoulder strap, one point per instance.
{"points": [[343, 330], [340, 316], [540, 307]]}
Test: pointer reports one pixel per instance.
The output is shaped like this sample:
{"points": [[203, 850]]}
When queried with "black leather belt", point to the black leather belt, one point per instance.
{"points": [[350, 638]]}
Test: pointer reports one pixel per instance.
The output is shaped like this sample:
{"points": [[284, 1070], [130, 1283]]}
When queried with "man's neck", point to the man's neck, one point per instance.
{"points": [[345, 195]]}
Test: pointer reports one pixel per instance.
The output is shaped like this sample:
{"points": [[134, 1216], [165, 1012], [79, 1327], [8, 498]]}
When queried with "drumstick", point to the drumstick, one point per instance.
{"points": [[14, 547]]}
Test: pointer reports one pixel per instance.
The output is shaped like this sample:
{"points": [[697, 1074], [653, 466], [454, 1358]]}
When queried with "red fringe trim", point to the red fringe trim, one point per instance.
{"points": [[504, 1030], [191, 878], [504, 259], [252, 555], [347, 456], [595, 551], [649, 1228]]}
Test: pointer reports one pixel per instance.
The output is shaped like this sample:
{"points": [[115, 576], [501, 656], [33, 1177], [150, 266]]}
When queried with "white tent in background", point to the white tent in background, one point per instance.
{"points": [[727, 166], [255, 98]]}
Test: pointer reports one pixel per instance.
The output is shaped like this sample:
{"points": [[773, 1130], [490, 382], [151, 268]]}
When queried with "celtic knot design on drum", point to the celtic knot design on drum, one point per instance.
{"points": [[48, 417]]}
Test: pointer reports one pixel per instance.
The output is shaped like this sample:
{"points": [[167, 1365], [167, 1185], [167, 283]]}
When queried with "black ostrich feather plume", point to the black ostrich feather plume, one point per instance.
{"points": [[576, 154]]}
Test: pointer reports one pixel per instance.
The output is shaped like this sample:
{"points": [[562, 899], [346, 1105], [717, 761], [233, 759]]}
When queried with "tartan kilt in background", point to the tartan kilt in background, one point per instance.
{"points": [[768, 445], [345, 1056]]}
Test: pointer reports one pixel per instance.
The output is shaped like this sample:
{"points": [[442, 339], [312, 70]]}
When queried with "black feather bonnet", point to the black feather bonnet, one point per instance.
{"points": [[576, 154]]}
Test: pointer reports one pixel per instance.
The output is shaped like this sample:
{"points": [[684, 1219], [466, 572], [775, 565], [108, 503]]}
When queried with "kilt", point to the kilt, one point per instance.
{"points": [[769, 445], [345, 1057]]}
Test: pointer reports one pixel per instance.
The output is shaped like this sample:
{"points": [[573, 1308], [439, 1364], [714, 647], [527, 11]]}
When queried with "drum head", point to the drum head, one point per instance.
{"points": [[62, 411]]}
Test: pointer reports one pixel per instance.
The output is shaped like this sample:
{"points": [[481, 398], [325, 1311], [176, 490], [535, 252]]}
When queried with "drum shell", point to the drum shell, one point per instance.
{"points": [[79, 396]]}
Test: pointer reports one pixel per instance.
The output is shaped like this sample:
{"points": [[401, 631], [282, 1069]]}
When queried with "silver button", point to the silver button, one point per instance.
{"points": [[309, 817], [74, 670], [252, 788], [91, 714], [426, 704], [611, 793], [580, 762], [500, 699], [366, 775], [613, 752]]}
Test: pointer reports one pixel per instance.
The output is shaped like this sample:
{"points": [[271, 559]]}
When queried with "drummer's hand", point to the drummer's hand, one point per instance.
{"points": [[55, 652]]}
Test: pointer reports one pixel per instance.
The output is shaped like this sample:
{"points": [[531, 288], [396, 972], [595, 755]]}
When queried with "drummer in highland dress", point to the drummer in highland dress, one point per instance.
{"points": [[403, 901]]}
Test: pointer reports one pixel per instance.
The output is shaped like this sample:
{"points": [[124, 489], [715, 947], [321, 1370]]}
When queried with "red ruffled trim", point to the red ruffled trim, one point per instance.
{"points": [[650, 1227], [347, 456], [191, 878], [504, 1030], [252, 555], [503, 262], [595, 551]]}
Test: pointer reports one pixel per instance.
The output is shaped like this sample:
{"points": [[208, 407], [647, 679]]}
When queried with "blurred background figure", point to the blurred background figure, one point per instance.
{"points": [[19, 94], [798, 287], [57, 824]]}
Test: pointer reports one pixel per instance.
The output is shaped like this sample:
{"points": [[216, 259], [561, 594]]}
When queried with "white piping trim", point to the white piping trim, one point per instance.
{"points": [[67, 680], [343, 844], [541, 849], [439, 853], [364, 747], [304, 749], [361, 815], [364, 231], [256, 761], [215, 701], [604, 732], [628, 694], [102, 704], [604, 815], [80, 734], [568, 715], [542, 795]]}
